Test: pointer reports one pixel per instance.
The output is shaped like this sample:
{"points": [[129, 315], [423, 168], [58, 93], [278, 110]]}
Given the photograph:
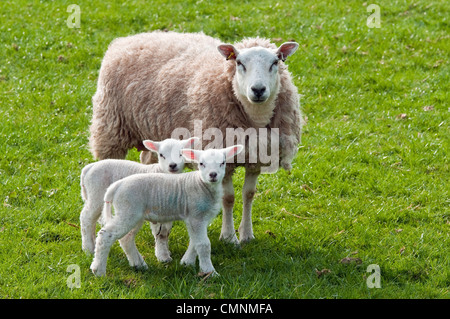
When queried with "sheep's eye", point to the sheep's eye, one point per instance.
{"points": [[162, 156], [202, 165], [273, 64], [223, 163], [239, 63]]}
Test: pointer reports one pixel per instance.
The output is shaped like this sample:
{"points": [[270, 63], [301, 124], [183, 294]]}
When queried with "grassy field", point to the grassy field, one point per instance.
{"points": [[370, 183]]}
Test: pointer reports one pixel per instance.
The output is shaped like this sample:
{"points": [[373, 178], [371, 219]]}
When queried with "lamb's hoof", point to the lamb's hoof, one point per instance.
{"points": [[165, 258], [187, 263], [88, 248], [231, 239], [88, 251], [210, 274], [246, 239], [141, 266], [97, 271]]}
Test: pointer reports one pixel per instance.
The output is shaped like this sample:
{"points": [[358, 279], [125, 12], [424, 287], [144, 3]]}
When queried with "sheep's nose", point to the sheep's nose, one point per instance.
{"points": [[172, 165], [258, 90]]}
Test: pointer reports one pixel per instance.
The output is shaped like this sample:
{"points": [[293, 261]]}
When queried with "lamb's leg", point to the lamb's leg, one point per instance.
{"points": [[88, 221], [199, 242], [118, 227], [189, 256], [128, 245], [228, 234], [161, 233], [248, 192]]}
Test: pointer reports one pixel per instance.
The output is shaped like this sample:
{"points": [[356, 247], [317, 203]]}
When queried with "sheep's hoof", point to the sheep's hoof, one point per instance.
{"points": [[286, 166]]}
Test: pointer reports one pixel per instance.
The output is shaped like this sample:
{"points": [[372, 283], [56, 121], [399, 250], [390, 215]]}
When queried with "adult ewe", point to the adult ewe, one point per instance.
{"points": [[153, 83]]}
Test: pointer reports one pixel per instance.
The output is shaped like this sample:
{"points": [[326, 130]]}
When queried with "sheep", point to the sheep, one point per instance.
{"points": [[193, 197], [96, 177], [151, 84]]}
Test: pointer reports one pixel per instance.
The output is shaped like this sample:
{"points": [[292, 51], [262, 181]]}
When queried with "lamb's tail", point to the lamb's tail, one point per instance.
{"points": [[109, 196], [106, 213], [84, 172]]}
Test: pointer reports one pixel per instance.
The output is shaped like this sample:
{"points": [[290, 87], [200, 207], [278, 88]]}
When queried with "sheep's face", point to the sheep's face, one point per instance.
{"points": [[257, 74], [257, 78], [169, 153], [212, 162]]}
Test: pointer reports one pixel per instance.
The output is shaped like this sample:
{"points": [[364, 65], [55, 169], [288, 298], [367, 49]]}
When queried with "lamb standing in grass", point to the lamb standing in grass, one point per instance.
{"points": [[193, 197], [97, 177], [153, 83]]}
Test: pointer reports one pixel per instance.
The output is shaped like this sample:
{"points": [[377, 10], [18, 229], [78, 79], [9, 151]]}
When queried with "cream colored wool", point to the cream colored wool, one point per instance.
{"points": [[152, 83]]}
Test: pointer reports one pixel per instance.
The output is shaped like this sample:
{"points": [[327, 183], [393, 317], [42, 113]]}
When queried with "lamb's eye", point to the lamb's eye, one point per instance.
{"points": [[223, 163], [239, 63], [162, 156], [202, 165]]}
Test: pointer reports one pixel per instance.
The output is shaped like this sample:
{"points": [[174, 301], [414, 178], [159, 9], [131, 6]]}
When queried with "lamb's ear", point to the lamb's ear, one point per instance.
{"points": [[191, 155], [189, 143], [151, 146], [228, 51], [232, 150], [286, 49]]}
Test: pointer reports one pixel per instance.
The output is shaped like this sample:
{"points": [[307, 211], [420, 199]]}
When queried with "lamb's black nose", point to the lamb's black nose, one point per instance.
{"points": [[213, 175], [172, 165]]}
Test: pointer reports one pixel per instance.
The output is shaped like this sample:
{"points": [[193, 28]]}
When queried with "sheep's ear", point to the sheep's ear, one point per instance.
{"points": [[228, 51], [189, 143], [191, 155], [151, 146], [232, 150], [286, 49]]}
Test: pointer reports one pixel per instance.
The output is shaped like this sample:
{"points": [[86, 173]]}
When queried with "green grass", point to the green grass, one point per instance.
{"points": [[367, 182]]}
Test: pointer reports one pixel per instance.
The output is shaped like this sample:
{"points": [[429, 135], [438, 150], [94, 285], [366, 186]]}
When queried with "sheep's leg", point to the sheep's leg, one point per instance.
{"points": [[148, 157], [118, 227], [107, 141], [128, 245], [199, 242], [88, 221], [161, 233], [228, 234], [248, 192]]}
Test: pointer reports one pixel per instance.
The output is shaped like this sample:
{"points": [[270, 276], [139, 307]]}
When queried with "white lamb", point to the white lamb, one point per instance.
{"points": [[193, 197], [97, 177]]}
